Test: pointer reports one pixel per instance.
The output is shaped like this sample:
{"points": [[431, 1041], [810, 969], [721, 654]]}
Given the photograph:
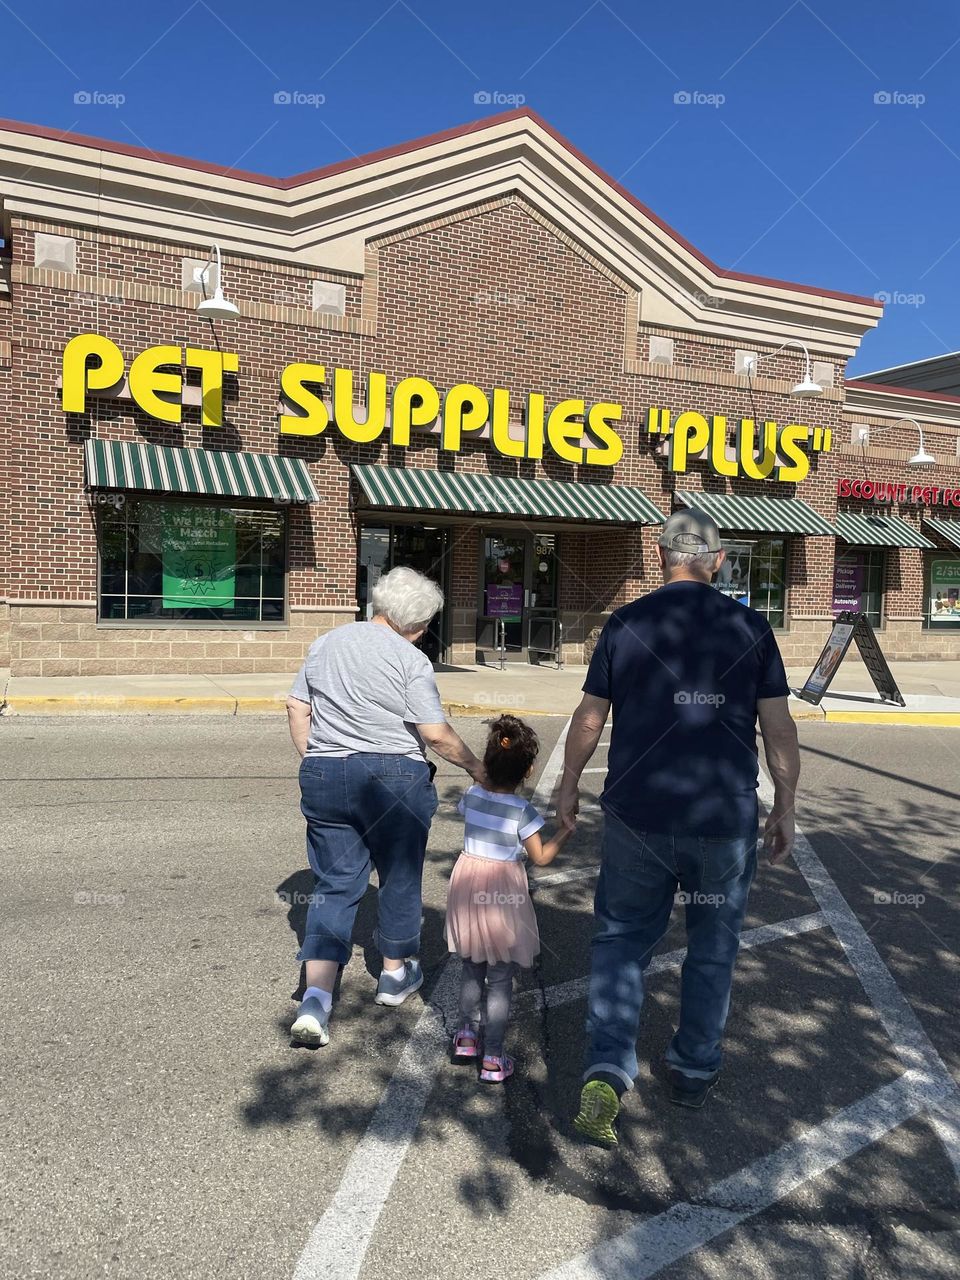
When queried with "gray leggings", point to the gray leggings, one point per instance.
{"points": [[486, 991]]}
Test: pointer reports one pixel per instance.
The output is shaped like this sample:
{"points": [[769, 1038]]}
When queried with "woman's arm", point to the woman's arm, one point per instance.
{"points": [[542, 852], [444, 740], [298, 720]]}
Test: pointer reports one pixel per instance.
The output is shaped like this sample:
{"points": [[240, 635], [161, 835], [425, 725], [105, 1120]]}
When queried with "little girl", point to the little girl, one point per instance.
{"points": [[491, 924]]}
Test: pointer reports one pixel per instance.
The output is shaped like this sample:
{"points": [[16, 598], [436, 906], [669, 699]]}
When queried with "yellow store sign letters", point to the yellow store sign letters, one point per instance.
{"points": [[313, 399]]}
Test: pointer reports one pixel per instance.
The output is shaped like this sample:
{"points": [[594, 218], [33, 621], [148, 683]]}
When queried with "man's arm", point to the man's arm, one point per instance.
{"points": [[582, 738], [783, 760], [298, 720], [445, 742]]}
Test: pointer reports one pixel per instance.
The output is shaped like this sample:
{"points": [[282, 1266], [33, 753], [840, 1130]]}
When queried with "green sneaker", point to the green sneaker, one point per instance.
{"points": [[599, 1108]]}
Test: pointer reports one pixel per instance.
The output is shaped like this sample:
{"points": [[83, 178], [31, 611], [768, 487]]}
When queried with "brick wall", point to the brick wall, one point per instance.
{"points": [[495, 297]]}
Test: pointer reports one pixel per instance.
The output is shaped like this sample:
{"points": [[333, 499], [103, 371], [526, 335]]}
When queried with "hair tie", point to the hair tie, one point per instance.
{"points": [[505, 742]]}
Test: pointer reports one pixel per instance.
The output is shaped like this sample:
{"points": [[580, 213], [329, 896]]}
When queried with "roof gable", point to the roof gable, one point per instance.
{"points": [[326, 217]]}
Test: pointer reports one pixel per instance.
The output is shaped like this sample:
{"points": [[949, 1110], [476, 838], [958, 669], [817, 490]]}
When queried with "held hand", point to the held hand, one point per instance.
{"points": [[779, 833], [568, 807], [479, 774]]}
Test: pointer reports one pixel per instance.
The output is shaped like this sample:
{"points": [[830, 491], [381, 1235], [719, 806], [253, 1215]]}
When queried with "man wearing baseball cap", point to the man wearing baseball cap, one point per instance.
{"points": [[688, 672]]}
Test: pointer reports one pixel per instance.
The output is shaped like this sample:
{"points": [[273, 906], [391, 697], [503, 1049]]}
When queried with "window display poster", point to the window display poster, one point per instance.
{"points": [[733, 576], [945, 592], [199, 555], [504, 601], [849, 575]]}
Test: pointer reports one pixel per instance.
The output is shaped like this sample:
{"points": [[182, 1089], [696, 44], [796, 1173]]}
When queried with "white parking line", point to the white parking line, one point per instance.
{"points": [[655, 1243], [911, 1042], [925, 1087], [338, 1244], [576, 988], [543, 792]]}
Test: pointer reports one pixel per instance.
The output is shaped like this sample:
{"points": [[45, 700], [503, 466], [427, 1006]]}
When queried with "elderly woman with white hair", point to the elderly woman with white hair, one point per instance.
{"points": [[361, 711]]}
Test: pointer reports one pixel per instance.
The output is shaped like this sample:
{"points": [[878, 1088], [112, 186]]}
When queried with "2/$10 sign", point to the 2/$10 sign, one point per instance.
{"points": [[94, 365]]}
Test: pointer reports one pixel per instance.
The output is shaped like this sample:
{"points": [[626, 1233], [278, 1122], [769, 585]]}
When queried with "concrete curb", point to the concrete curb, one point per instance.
{"points": [[113, 705], [104, 704], [485, 709], [919, 718]]}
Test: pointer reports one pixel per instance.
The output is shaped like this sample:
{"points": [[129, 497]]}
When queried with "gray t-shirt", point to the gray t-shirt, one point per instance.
{"points": [[368, 689]]}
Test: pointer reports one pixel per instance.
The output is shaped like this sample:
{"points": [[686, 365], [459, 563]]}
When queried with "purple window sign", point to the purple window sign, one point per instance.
{"points": [[504, 601], [849, 576]]}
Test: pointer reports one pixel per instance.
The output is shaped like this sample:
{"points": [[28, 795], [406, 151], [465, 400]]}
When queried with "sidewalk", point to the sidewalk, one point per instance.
{"points": [[931, 689]]}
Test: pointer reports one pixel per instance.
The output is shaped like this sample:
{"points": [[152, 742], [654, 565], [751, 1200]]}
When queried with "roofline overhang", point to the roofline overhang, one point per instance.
{"points": [[861, 397], [326, 217]]}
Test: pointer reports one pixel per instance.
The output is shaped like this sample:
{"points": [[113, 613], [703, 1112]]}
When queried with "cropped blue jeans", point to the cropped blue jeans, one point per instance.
{"points": [[365, 810]]}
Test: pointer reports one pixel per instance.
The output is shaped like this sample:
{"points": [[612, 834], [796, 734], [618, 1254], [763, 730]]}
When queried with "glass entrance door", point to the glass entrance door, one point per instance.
{"points": [[504, 587], [518, 584]]}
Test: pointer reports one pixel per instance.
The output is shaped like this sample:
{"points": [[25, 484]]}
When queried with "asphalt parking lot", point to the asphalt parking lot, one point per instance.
{"points": [[158, 1123]]}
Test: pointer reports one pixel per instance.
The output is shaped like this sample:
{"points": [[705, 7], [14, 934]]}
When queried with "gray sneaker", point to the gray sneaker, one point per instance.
{"points": [[311, 1025], [392, 990]]}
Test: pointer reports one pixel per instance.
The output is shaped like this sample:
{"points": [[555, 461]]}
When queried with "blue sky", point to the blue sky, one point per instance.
{"points": [[783, 162]]}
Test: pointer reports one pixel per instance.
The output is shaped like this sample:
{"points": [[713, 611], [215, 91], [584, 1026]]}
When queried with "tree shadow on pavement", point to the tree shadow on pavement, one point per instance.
{"points": [[803, 1041]]}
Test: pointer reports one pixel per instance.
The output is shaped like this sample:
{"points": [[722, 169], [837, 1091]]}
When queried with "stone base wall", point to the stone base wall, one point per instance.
{"points": [[65, 640], [4, 634], [901, 640]]}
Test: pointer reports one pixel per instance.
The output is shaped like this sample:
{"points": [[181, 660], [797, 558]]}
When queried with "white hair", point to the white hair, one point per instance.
{"points": [[707, 561], [407, 599]]}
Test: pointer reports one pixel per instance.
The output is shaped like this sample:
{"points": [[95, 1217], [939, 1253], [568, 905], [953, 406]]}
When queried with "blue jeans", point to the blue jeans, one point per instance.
{"points": [[365, 809], [640, 874]]}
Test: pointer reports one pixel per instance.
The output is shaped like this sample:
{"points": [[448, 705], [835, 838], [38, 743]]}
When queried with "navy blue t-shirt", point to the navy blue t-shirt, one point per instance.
{"points": [[684, 668]]}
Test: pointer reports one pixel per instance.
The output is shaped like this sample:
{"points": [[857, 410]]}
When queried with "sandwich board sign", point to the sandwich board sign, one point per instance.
{"points": [[851, 627]]}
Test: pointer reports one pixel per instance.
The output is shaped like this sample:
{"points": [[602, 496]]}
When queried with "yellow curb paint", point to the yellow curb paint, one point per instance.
{"points": [[895, 717], [257, 706], [80, 704]]}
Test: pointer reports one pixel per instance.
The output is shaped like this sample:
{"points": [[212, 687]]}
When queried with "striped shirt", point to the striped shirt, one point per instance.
{"points": [[495, 823]]}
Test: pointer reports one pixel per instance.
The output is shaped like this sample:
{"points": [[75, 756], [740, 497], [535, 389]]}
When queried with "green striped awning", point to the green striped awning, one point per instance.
{"points": [[504, 495], [760, 514], [949, 529], [126, 464], [879, 531]]}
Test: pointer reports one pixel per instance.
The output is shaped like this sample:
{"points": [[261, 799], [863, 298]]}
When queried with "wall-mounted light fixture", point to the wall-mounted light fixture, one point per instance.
{"points": [[218, 307], [806, 386], [920, 459]]}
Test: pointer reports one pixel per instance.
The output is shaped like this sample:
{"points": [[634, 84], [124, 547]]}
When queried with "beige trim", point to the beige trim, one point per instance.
{"points": [[184, 250], [883, 453], [107, 287], [327, 222], [54, 604], [717, 378], [323, 608], [860, 402], [6, 353]]}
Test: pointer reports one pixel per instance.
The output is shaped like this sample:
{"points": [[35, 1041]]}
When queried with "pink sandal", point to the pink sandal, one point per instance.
{"points": [[500, 1071], [466, 1043]]}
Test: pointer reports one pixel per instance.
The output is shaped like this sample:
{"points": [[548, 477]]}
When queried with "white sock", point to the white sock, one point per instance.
{"points": [[395, 975], [325, 997]]}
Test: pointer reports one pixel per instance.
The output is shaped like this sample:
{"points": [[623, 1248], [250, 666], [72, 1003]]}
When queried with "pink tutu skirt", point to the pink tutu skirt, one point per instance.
{"points": [[489, 913]]}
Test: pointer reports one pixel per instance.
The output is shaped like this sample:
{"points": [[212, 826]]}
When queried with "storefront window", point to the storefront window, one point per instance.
{"points": [[943, 593], [190, 562], [858, 581], [754, 572]]}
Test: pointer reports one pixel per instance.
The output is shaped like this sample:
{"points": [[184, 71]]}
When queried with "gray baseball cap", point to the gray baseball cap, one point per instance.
{"points": [[691, 532]]}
